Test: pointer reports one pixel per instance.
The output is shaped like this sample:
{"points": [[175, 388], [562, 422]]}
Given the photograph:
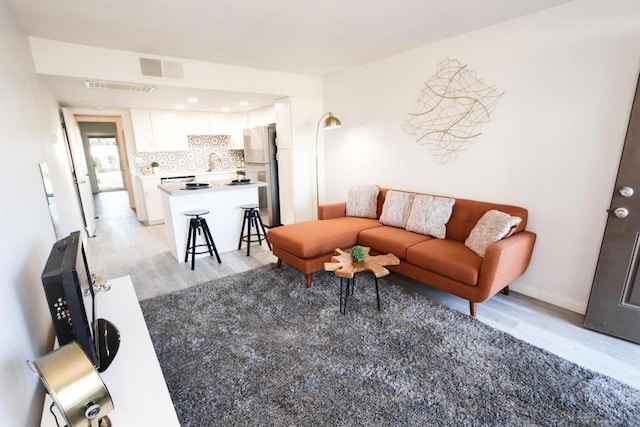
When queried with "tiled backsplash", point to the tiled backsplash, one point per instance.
{"points": [[205, 153]]}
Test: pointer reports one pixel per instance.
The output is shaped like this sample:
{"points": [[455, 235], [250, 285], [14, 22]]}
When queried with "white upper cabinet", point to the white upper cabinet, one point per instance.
{"points": [[169, 130], [159, 130], [207, 123], [142, 133], [198, 123], [237, 123]]}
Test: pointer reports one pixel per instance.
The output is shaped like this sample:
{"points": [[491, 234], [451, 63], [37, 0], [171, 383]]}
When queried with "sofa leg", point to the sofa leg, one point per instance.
{"points": [[506, 290], [472, 308], [279, 263], [309, 280]]}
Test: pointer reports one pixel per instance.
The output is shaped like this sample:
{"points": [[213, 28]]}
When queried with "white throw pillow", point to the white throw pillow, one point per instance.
{"points": [[493, 226], [429, 215], [396, 208], [362, 201]]}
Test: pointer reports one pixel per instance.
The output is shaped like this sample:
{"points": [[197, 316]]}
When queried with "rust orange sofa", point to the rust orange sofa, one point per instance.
{"points": [[446, 263]]}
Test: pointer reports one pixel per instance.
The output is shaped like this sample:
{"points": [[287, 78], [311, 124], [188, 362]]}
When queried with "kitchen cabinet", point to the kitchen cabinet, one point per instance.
{"points": [[152, 198], [237, 123], [169, 130], [198, 123], [159, 130], [207, 123], [142, 133]]}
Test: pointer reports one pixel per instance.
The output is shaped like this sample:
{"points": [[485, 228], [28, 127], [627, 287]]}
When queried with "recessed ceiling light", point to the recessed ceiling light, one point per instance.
{"points": [[225, 109], [193, 100], [244, 103], [179, 107]]}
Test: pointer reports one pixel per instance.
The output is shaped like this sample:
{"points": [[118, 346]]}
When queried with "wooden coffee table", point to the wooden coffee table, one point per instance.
{"points": [[345, 268]]}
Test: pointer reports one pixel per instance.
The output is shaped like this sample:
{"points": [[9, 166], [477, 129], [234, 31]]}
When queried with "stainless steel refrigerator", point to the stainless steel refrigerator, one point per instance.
{"points": [[261, 163]]}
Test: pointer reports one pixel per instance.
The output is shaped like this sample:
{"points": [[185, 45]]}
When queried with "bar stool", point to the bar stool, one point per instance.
{"points": [[252, 218], [199, 225]]}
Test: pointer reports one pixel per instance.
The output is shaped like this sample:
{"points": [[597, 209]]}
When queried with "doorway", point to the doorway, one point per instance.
{"points": [[105, 171], [104, 160]]}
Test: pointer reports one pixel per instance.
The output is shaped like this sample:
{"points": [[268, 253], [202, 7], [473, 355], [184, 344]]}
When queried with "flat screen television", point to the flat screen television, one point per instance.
{"points": [[71, 298]]}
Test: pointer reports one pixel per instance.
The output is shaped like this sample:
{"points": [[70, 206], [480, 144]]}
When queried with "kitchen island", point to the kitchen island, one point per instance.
{"points": [[224, 218]]}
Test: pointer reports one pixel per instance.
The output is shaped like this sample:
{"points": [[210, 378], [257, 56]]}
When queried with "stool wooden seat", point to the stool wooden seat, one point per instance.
{"points": [[251, 218], [197, 224]]}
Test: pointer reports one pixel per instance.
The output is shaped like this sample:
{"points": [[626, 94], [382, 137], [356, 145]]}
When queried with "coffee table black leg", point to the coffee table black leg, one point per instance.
{"points": [[346, 295], [341, 295], [377, 293], [353, 284]]}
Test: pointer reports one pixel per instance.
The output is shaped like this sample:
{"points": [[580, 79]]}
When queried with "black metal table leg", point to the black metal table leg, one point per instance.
{"points": [[377, 293]]}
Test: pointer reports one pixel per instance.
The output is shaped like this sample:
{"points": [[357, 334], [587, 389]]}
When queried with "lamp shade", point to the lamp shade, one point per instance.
{"points": [[331, 122], [74, 385]]}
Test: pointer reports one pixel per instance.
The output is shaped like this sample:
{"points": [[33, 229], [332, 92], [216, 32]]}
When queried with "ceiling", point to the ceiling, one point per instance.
{"points": [[303, 37]]}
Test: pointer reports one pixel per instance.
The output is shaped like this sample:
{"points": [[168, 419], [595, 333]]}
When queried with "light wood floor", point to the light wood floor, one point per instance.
{"points": [[123, 246]]}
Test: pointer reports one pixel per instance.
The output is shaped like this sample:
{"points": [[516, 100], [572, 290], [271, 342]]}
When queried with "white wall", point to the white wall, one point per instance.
{"points": [[31, 134], [553, 146]]}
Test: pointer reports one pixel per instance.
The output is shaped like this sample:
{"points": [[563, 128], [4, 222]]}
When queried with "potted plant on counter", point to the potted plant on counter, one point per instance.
{"points": [[155, 166]]}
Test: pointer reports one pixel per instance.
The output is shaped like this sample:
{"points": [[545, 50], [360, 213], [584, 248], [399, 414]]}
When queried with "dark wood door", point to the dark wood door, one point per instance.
{"points": [[614, 304]]}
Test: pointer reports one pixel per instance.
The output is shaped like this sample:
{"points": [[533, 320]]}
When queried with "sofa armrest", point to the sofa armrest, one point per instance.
{"points": [[332, 210], [505, 261]]}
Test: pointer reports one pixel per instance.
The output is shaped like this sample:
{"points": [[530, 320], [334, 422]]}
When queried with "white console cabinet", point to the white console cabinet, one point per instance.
{"points": [[134, 378]]}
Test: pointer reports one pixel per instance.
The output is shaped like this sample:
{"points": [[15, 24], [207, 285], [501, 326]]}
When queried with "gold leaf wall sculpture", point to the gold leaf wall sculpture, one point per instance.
{"points": [[450, 110]]}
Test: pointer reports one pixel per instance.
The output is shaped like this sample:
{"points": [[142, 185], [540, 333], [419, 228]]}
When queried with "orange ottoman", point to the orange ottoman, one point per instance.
{"points": [[308, 245]]}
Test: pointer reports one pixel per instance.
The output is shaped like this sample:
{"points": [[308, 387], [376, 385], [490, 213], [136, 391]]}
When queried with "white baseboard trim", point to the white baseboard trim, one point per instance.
{"points": [[551, 298]]}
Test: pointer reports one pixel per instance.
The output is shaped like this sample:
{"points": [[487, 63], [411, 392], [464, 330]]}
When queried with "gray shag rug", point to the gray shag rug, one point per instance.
{"points": [[258, 348]]}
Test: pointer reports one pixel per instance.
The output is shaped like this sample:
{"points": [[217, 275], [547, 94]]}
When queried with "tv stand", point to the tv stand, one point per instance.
{"points": [[134, 378]]}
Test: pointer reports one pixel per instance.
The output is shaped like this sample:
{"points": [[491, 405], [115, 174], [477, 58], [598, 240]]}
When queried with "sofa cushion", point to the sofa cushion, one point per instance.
{"points": [[466, 214], [388, 239], [396, 208], [429, 215], [493, 226], [312, 238], [448, 258], [362, 201]]}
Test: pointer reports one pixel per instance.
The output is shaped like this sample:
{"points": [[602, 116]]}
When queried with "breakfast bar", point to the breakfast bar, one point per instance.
{"points": [[221, 198]]}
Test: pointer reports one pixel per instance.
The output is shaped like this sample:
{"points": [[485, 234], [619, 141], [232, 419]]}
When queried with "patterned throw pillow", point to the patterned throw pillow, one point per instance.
{"points": [[396, 208], [429, 215], [362, 201], [493, 226]]}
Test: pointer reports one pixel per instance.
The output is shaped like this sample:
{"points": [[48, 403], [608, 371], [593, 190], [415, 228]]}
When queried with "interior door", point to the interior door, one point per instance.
{"points": [[614, 304], [81, 178]]}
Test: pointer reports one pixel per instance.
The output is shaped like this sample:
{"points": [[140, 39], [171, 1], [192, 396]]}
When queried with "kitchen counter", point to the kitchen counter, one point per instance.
{"points": [[179, 189], [224, 219], [199, 175]]}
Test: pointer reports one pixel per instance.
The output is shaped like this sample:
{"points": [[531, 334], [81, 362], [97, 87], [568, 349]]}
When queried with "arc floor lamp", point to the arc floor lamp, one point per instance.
{"points": [[330, 122]]}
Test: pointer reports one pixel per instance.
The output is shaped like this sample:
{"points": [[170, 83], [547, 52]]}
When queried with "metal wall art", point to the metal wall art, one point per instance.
{"points": [[450, 110]]}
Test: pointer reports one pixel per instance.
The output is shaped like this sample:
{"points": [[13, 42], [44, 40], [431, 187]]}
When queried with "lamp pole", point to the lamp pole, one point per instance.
{"points": [[331, 122]]}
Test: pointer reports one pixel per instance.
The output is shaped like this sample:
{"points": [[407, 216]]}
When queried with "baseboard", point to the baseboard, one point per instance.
{"points": [[551, 298]]}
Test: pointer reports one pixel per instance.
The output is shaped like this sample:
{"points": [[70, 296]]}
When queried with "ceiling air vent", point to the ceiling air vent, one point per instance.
{"points": [[157, 68], [97, 84]]}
